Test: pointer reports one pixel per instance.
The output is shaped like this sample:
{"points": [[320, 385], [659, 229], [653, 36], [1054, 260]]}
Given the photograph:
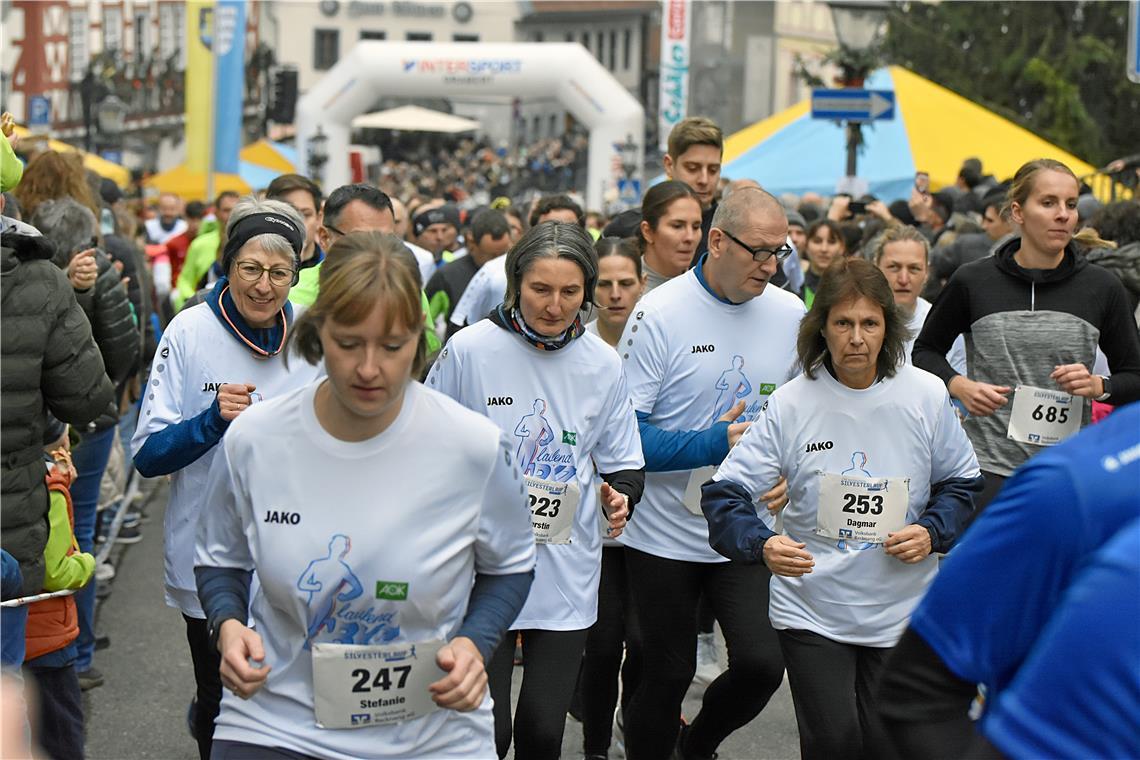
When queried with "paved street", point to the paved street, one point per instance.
{"points": [[141, 710]]}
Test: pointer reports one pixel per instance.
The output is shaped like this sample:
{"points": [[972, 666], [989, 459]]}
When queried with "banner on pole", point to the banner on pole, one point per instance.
{"points": [[673, 103]]}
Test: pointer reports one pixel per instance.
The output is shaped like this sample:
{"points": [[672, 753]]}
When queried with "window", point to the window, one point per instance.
{"points": [[537, 128], [553, 125], [569, 36], [464, 38], [78, 51], [601, 51], [180, 31], [113, 28], [167, 33], [613, 50], [418, 36], [586, 40], [326, 48], [369, 34], [142, 35], [626, 48]]}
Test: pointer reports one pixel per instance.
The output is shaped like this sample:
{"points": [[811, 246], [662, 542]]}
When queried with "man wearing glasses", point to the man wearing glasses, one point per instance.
{"points": [[714, 334]]}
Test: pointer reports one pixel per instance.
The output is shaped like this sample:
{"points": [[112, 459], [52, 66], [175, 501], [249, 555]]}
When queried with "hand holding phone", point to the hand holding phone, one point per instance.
{"points": [[922, 182]]}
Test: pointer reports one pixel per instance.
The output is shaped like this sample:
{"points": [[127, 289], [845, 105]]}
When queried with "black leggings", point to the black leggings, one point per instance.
{"points": [[207, 675], [665, 593], [833, 686], [550, 670], [605, 644]]}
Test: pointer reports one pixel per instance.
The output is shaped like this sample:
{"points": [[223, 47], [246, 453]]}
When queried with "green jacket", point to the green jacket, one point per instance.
{"points": [[60, 570], [200, 256]]}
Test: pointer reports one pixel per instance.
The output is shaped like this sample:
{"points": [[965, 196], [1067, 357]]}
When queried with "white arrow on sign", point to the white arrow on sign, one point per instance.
{"points": [[879, 105]]}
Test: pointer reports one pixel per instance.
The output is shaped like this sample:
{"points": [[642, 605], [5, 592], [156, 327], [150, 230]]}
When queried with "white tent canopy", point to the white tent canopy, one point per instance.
{"points": [[415, 119]]}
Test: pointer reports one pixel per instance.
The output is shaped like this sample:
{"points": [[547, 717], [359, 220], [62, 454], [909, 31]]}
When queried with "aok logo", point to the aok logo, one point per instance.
{"points": [[392, 590], [282, 518], [708, 348], [500, 401], [819, 446]]}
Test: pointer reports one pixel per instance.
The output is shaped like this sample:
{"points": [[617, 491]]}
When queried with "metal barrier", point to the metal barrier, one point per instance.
{"points": [[1107, 188]]}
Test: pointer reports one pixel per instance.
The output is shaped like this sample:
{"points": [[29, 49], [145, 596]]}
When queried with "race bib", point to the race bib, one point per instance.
{"points": [[692, 497], [856, 508], [552, 509], [1043, 417], [356, 685]]}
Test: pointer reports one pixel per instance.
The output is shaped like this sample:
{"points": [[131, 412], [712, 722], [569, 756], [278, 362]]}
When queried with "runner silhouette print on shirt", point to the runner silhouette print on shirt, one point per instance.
{"points": [[858, 469], [733, 385], [333, 588], [540, 454]]}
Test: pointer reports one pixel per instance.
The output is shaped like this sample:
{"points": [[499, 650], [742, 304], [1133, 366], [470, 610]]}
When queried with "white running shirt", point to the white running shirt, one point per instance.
{"points": [[689, 358], [485, 291], [195, 356], [957, 354], [901, 427], [425, 261], [327, 524], [565, 411]]}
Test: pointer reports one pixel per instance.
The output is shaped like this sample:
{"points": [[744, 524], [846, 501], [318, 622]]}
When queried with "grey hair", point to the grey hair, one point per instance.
{"points": [[67, 224], [270, 243], [560, 240], [897, 234], [732, 212]]}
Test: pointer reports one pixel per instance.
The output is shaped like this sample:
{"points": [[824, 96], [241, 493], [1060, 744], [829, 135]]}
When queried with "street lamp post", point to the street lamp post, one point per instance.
{"points": [[857, 27], [111, 115], [318, 154]]}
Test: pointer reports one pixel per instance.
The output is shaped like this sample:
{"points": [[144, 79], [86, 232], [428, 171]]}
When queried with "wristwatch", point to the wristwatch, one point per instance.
{"points": [[1107, 389]]}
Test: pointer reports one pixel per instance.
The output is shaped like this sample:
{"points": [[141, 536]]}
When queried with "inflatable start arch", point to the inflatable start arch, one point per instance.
{"points": [[526, 69]]}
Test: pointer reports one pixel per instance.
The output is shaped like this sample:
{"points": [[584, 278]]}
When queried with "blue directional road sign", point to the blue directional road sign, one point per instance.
{"points": [[853, 105], [629, 191], [39, 112]]}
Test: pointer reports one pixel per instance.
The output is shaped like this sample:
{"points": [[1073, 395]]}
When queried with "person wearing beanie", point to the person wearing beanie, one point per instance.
{"points": [[436, 228]]}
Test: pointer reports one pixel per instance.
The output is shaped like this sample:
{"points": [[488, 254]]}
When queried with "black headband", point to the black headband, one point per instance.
{"points": [[262, 223], [440, 215]]}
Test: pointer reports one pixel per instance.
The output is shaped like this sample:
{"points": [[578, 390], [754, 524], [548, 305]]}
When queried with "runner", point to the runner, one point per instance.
{"points": [[560, 393], [683, 337], [825, 244], [362, 619], [486, 288], [880, 475], [215, 360], [620, 285], [990, 607], [902, 253], [1033, 315], [669, 232]]}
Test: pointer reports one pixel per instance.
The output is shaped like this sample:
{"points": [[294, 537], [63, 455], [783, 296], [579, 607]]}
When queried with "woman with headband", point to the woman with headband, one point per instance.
{"points": [[214, 361]]}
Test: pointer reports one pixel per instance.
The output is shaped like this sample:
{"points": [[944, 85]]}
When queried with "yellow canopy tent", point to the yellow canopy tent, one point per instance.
{"points": [[120, 175], [934, 130], [268, 154], [191, 186]]}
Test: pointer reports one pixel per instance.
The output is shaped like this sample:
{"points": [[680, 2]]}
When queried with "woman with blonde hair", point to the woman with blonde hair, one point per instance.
{"points": [[388, 567], [1033, 315]]}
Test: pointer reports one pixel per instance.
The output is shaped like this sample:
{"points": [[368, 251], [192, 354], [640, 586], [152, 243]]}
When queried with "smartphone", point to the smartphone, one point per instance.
{"points": [[922, 182], [857, 207]]}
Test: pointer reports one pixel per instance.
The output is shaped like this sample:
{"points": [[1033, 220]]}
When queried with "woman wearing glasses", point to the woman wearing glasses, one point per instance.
{"points": [[716, 335], [214, 361]]}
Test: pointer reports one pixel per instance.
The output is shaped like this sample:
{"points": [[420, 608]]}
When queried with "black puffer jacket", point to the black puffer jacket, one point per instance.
{"points": [[108, 310], [51, 364]]}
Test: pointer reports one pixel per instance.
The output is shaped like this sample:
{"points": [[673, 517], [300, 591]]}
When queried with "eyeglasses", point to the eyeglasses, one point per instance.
{"points": [[251, 272], [760, 255], [334, 230]]}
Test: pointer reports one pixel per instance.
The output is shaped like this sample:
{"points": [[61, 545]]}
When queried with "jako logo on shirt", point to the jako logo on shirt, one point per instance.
{"points": [[500, 401], [211, 387], [392, 590], [818, 446], [284, 518], [708, 348]]}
